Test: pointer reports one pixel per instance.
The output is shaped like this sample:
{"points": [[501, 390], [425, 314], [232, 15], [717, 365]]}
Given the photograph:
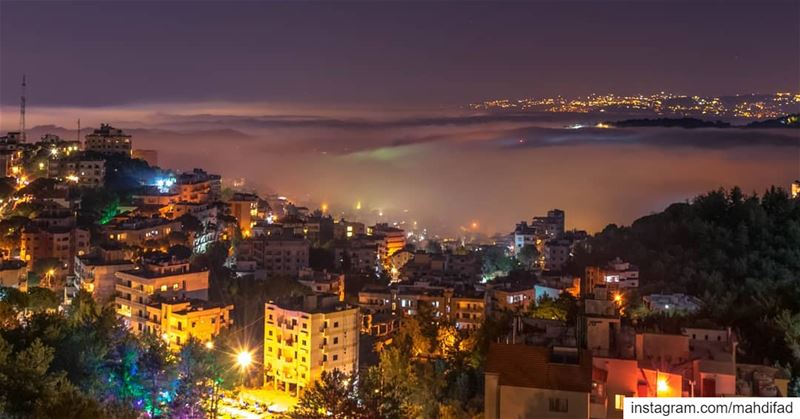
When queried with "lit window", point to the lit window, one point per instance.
{"points": [[163, 287], [619, 401]]}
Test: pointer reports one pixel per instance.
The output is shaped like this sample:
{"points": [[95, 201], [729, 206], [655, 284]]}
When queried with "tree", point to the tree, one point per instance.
{"points": [[42, 299], [190, 223], [156, 365], [495, 262], [334, 396], [203, 375], [528, 256]]}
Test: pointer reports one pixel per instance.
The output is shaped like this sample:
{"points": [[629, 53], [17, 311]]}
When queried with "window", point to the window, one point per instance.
{"points": [[324, 358], [336, 357], [163, 288], [335, 341], [558, 405], [335, 324], [619, 401]]}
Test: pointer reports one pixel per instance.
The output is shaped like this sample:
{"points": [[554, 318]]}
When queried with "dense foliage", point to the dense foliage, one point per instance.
{"points": [[739, 254], [85, 363]]}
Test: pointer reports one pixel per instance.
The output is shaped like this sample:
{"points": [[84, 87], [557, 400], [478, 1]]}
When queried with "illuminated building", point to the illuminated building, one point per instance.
{"points": [[62, 242], [323, 282], [135, 231], [79, 169], [11, 149], [198, 186], [538, 382], [524, 235], [796, 189], [277, 255], [465, 307], [245, 207], [467, 310], [176, 320], [57, 147], [96, 273], [14, 274], [305, 336], [392, 240], [346, 230], [511, 296], [158, 276], [108, 140], [550, 226], [617, 274]]}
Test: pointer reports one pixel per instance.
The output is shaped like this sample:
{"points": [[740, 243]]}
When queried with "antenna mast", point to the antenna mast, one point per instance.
{"points": [[22, 110]]}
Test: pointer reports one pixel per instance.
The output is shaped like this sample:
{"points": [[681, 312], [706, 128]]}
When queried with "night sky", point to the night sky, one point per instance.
{"points": [[393, 54], [363, 102]]}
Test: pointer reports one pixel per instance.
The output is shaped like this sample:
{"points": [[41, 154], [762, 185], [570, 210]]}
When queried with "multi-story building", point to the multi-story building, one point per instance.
{"points": [[524, 235], [108, 140], [177, 320], [468, 310], [464, 307], [245, 207], [162, 276], [323, 282], [11, 147], [96, 272], [346, 230], [556, 254], [551, 226], [278, 256], [135, 231], [796, 189], [511, 296], [392, 240], [538, 382], [198, 186], [618, 274], [356, 256], [80, 169], [14, 274], [305, 336], [59, 242]]}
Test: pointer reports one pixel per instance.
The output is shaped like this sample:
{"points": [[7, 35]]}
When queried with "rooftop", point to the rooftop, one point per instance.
{"points": [[540, 367]]}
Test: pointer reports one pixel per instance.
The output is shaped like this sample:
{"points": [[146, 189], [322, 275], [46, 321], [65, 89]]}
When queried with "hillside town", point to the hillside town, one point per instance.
{"points": [[295, 296]]}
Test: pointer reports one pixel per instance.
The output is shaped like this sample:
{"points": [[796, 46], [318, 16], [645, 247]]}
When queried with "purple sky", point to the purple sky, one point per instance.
{"points": [[399, 54]]}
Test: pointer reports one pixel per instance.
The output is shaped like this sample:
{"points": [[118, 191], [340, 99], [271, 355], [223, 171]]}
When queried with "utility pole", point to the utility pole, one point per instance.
{"points": [[22, 111]]}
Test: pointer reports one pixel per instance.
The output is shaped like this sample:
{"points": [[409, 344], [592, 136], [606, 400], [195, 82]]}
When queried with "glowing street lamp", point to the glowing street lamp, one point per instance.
{"points": [[618, 298], [244, 359], [210, 345]]}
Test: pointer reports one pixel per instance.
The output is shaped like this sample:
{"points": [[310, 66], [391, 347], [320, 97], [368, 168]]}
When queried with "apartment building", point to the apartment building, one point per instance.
{"points": [[108, 140], [305, 336], [160, 276]]}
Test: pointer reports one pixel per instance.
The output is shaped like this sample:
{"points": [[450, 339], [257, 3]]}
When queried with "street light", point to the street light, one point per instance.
{"points": [[210, 344], [244, 359]]}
